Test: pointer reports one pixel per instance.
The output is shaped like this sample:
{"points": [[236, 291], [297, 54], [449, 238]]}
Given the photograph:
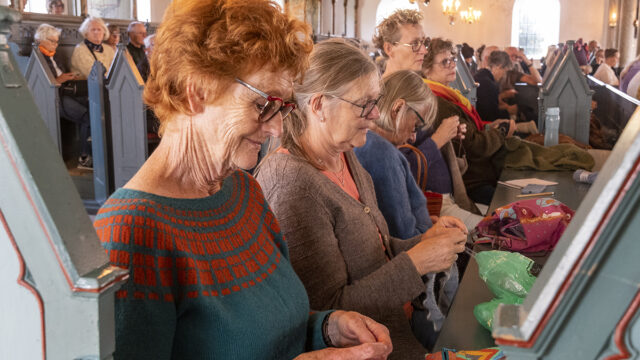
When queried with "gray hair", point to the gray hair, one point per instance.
{"points": [[147, 40], [84, 27], [44, 31], [500, 59], [133, 24]]}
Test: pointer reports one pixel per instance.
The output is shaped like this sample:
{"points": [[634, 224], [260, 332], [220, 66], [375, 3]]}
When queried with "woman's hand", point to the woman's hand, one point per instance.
{"points": [[445, 222], [65, 77], [355, 336], [369, 351], [512, 125], [438, 249], [462, 130], [447, 130]]}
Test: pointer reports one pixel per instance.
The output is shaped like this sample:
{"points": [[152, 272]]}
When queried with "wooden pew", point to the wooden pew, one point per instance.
{"points": [[44, 89], [130, 147], [464, 80], [566, 87], [614, 108], [57, 283]]}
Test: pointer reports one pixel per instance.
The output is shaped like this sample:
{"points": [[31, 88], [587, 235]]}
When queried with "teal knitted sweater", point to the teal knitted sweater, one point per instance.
{"points": [[210, 278]]}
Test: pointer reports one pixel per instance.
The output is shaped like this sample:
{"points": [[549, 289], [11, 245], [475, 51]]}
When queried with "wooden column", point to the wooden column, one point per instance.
{"points": [[627, 43], [356, 15], [333, 16]]}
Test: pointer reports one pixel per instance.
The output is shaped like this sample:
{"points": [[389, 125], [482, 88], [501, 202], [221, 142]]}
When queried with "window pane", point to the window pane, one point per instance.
{"points": [[144, 10], [536, 25], [110, 9]]}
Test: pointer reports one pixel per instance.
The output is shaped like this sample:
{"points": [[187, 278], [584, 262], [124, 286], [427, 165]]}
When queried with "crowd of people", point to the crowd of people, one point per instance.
{"points": [[328, 249]]}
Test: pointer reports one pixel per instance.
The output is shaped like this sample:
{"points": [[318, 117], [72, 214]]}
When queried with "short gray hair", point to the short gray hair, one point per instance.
{"points": [[499, 58], [133, 25], [44, 31], [84, 27]]}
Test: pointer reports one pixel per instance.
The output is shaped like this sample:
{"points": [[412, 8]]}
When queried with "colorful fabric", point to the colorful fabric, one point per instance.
{"points": [[484, 354], [530, 225], [209, 278], [457, 98], [46, 52]]}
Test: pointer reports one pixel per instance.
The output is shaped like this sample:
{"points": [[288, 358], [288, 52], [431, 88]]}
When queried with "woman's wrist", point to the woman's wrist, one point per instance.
{"points": [[325, 331]]}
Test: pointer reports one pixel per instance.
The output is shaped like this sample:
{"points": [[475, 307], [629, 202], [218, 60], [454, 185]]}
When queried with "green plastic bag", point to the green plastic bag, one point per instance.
{"points": [[508, 276]]}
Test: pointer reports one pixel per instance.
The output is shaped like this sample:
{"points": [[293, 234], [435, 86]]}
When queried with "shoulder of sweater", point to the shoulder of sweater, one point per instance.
{"points": [[378, 154], [286, 171]]}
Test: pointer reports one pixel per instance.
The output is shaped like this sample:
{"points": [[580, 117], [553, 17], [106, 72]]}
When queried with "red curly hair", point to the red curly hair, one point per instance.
{"points": [[208, 43]]}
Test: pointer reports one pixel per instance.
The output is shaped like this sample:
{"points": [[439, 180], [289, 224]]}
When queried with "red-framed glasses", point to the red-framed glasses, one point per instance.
{"points": [[273, 106]]}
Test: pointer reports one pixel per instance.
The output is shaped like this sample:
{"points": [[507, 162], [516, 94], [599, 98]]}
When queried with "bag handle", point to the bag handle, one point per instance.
{"points": [[422, 169]]}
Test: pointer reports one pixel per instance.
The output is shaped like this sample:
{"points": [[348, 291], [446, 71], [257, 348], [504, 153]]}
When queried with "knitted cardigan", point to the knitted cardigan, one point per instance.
{"points": [[400, 200], [341, 248], [209, 278], [82, 60]]}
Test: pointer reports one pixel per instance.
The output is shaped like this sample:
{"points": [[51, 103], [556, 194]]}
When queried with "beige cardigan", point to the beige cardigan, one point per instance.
{"points": [[336, 249], [82, 60]]}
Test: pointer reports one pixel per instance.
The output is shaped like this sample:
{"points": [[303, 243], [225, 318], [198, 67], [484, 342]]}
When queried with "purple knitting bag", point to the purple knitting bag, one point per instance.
{"points": [[527, 226]]}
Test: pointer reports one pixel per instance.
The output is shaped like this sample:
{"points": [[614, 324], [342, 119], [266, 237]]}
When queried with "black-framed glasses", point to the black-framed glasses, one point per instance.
{"points": [[273, 106], [415, 45], [422, 122], [367, 107], [448, 61]]}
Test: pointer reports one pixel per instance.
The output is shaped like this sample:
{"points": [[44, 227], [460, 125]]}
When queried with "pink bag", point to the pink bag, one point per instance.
{"points": [[528, 226]]}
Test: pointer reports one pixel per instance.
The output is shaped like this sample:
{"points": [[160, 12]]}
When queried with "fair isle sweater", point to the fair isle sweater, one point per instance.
{"points": [[210, 278], [399, 198]]}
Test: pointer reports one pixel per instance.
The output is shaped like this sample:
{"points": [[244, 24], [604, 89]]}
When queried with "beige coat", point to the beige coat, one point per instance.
{"points": [[82, 60], [336, 249]]}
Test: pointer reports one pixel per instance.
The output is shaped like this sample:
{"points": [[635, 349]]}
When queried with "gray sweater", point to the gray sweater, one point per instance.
{"points": [[336, 245]]}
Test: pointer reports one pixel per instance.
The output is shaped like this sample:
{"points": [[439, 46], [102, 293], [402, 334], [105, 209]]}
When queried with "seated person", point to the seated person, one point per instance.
{"points": [[71, 107], [400, 200], [480, 145], [490, 98], [598, 59], [144, 67], [605, 71], [55, 7], [210, 271], [408, 105], [467, 54], [523, 65], [91, 49], [137, 32], [114, 37], [628, 73], [326, 203]]}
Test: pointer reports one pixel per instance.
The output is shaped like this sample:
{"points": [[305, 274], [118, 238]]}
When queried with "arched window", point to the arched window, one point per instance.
{"points": [[388, 7], [535, 26]]}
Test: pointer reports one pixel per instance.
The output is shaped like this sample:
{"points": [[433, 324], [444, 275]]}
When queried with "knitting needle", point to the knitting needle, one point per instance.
{"points": [[550, 193], [509, 185]]}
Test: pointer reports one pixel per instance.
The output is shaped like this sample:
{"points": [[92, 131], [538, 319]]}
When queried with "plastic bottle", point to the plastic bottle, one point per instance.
{"points": [[551, 126]]}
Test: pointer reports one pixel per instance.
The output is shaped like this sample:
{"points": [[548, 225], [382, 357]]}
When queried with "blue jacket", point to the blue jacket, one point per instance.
{"points": [[400, 200]]}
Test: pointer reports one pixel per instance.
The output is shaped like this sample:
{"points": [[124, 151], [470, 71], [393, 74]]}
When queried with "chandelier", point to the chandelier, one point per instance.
{"points": [[470, 15], [450, 8]]}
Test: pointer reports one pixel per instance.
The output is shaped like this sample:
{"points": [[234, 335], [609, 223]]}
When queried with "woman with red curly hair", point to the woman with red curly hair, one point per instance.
{"points": [[210, 272]]}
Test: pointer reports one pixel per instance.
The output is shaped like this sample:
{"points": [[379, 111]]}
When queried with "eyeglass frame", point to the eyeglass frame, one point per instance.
{"points": [[57, 42], [364, 106], [450, 60], [422, 122], [425, 42], [285, 104]]}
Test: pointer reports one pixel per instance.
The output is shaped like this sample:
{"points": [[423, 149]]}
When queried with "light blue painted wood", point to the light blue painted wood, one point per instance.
{"points": [[464, 80], [44, 88], [43, 213], [128, 118]]}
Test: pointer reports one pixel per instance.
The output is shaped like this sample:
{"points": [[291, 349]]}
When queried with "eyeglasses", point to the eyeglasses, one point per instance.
{"points": [[422, 122], [273, 106], [448, 61], [53, 41], [367, 107], [415, 45]]}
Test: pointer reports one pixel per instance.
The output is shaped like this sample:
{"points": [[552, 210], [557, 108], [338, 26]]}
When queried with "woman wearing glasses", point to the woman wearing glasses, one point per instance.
{"points": [[406, 106], [209, 271], [326, 203], [481, 145]]}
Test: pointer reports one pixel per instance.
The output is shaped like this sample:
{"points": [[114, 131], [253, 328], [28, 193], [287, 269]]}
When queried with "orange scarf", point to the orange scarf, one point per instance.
{"points": [[46, 52], [454, 96]]}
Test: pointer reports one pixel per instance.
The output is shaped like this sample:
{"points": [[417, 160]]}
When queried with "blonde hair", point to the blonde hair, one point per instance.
{"points": [[389, 29], [409, 86], [84, 27], [335, 66]]}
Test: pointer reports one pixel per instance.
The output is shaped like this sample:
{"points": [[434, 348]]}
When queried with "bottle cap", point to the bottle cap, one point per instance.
{"points": [[553, 111]]}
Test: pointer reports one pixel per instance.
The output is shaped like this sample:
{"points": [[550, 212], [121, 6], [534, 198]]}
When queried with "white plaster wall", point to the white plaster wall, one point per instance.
{"points": [[579, 18], [157, 9]]}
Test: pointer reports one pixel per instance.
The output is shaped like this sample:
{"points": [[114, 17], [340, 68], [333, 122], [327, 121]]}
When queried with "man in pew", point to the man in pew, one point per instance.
{"points": [[144, 68], [137, 32], [73, 108], [605, 71]]}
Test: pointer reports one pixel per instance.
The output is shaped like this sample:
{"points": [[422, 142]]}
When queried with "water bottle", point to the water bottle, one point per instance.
{"points": [[551, 126]]}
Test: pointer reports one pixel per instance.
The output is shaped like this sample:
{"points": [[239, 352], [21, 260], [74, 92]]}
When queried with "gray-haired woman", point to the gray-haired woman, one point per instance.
{"points": [[91, 49], [325, 201], [72, 108]]}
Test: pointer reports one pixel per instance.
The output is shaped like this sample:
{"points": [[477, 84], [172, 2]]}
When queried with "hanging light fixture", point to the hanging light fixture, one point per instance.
{"points": [[470, 15], [450, 8]]}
